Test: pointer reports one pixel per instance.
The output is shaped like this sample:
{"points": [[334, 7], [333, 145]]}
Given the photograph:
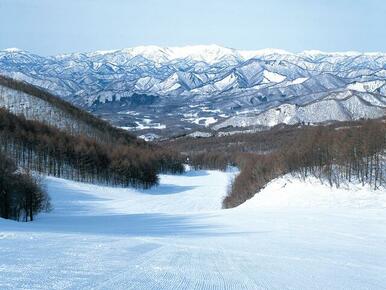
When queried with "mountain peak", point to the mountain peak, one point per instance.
{"points": [[210, 53], [13, 50]]}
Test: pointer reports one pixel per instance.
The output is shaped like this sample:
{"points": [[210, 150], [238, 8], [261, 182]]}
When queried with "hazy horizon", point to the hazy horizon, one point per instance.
{"points": [[193, 45]]}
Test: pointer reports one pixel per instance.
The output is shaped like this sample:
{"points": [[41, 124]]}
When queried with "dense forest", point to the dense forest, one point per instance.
{"points": [[21, 195], [335, 153], [41, 148]]}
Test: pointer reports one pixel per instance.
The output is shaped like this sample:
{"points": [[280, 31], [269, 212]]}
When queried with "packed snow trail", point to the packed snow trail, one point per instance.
{"points": [[293, 235]]}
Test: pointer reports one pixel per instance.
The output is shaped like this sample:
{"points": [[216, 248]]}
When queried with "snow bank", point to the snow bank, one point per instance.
{"points": [[292, 192]]}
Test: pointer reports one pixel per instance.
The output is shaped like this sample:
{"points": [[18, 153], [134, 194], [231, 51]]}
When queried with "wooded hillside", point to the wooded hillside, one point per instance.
{"points": [[48, 150], [335, 153], [81, 122]]}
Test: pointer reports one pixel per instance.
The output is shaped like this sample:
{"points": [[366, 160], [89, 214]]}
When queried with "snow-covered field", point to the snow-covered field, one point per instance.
{"points": [[293, 235]]}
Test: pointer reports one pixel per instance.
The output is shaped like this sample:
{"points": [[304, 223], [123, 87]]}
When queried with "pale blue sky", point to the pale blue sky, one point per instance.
{"points": [[51, 26]]}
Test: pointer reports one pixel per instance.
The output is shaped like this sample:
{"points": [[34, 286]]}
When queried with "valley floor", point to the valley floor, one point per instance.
{"points": [[293, 235]]}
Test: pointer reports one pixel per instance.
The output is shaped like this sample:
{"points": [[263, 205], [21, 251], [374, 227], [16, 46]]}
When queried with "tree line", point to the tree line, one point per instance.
{"points": [[41, 148], [336, 153]]}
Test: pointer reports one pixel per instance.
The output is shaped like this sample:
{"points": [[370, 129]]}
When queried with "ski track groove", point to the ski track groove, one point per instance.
{"points": [[136, 264]]}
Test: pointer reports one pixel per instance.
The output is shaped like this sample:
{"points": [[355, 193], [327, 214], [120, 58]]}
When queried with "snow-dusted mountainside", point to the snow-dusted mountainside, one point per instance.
{"points": [[37, 104], [34, 108], [178, 88], [294, 234]]}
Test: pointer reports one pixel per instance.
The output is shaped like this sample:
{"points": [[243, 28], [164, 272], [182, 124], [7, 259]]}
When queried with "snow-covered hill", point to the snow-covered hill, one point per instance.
{"points": [[232, 87], [293, 235], [34, 108], [34, 103]]}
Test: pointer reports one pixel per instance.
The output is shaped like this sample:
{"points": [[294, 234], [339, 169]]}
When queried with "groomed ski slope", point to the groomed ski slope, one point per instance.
{"points": [[293, 235]]}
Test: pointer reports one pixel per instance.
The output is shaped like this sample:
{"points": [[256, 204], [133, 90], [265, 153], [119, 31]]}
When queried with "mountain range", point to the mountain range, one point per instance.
{"points": [[159, 91]]}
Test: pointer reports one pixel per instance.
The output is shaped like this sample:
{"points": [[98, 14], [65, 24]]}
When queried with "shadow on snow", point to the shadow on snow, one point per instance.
{"points": [[165, 189]]}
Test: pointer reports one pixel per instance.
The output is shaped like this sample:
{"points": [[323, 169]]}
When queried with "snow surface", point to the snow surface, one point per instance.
{"points": [[369, 86], [146, 125], [297, 81], [293, 235], [273, 77], [206, 121]]}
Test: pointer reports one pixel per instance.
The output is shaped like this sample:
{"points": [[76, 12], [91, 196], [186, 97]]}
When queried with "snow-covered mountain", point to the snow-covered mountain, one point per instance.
{"points": [[184, 88]]}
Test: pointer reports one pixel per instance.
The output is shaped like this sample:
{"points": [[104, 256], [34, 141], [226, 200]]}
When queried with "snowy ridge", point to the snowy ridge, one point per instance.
{"points": [[211, 53], [174, 81], [352, 107], [207, 53]]}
